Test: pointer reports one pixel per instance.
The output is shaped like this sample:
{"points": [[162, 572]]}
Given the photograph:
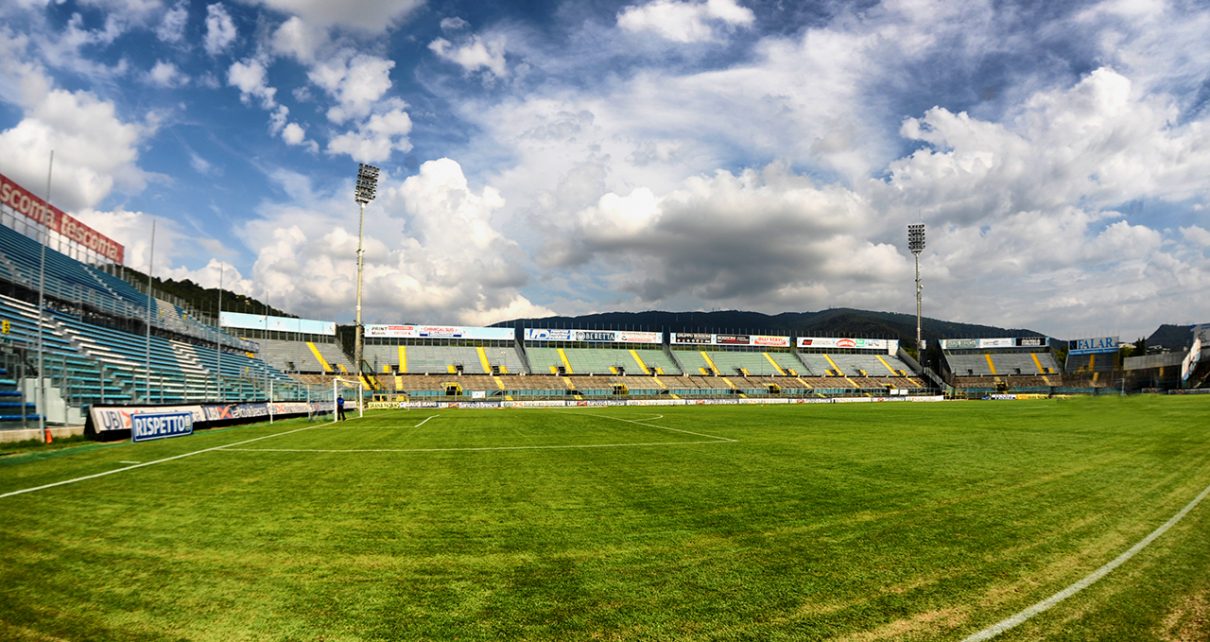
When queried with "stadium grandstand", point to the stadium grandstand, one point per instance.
{"points": [[1186, 368], [978, 367], [1094, 362], [98, 339]]}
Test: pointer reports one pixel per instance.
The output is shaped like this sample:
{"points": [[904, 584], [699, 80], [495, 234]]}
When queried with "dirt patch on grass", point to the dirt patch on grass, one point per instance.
{"points": [[1190, 620], [927, 625]]}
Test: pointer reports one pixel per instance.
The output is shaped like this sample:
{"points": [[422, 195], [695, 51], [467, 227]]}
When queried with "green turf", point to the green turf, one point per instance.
{"points": [[862, 521]]}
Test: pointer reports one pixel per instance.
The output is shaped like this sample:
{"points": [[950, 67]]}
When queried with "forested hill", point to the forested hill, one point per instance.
{"points": [[200, 298], [832, 322]]}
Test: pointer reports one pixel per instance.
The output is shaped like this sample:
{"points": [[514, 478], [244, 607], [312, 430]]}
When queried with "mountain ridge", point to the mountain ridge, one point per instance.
{"points": [[829, 322]]}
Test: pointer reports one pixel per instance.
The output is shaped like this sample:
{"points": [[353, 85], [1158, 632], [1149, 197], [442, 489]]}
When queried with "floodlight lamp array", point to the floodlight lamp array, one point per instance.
{"points": [[367, 184], [916, 237]]}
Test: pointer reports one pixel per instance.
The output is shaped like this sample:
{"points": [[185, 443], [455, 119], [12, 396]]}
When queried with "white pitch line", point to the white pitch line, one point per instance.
{"points": [[150, 463], [425, 421], [642, 423], [1088, 580], [471, 449]]}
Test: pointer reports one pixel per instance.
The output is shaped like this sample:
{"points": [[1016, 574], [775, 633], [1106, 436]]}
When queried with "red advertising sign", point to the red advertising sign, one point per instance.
{"points": [[23, 202]]}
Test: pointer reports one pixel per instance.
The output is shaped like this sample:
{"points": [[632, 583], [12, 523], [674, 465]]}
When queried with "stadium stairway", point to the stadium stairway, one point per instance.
{"points": [[13, 407]]}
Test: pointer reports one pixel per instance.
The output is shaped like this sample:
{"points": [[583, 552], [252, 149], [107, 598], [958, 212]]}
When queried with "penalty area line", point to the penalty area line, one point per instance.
{"points": [[1088, 580], [640, 422], [426, 420], [154, 462]]}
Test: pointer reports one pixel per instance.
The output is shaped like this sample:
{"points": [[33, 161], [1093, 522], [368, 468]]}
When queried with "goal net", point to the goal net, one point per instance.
{"points": [[348, 390]]}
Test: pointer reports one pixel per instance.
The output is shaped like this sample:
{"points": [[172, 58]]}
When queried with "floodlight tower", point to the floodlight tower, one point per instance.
{"points": [[363, 193], [916, 245]]}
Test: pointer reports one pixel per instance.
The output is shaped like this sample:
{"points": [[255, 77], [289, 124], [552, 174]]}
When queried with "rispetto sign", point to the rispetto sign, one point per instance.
{"points": [[160, 425], [25, 203]]}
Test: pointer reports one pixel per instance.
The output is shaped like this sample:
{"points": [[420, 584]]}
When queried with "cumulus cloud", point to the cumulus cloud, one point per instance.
{"points": [[165, 74], [685, 22], [250, 77], [220, 29], [355, 81], [433, 252], [760, 238], [474, 54], [1098, 142], [299, 40], [95, 150], [453, 23], [372, 16], [172, 26], [375, 138]]}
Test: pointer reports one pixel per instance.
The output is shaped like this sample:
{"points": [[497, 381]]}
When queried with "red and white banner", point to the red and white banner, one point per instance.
{"points": [[25, 203], [843, 342]]}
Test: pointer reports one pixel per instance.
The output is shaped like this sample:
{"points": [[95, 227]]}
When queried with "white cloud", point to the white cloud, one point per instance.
{"points": [[94, 149], [69, 48], [685, 22], [432, 253], [377, 137], [299, 40], [296, 135], [373, 16], [249, 76], [1099, 142], [220, 29], [474, 54], [172, 27], [453, 23], [199, 164], [165, 74], [133, 230], [357, 83], [761, 240]]}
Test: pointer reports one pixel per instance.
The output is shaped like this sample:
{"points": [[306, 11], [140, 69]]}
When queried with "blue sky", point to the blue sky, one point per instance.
{"points": [[570, 157]]}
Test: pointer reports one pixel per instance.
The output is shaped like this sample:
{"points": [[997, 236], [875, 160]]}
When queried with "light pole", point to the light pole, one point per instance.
{"points": [[367, 183], [40, 394], [916, 245]]}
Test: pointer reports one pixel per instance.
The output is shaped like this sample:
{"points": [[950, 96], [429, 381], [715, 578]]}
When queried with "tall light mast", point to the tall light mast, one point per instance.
{"points": [[916, 245], [363, 193]]}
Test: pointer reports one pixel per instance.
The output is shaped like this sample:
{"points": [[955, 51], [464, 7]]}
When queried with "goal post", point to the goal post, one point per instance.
{"points": [[340, 386]]}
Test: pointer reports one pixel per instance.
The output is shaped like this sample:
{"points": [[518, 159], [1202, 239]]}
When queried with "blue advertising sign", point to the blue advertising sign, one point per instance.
{"points": [[1094, 345], [160, 426]]}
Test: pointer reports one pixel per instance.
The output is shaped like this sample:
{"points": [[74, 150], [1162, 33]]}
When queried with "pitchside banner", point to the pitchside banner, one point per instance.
{"points": [[979, 344], [843, 342], [693, 338], [379, 331], [25, 203], [1094, 345], [145, 427], [118, 418], [276, 324], [760, 340], [593, 336]]}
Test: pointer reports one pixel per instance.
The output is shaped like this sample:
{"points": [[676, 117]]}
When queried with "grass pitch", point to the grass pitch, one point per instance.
{"points": [[857, 522]]}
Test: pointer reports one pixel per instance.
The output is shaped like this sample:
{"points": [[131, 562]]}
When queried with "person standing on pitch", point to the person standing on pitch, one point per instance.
{"points": [[340, 408]]}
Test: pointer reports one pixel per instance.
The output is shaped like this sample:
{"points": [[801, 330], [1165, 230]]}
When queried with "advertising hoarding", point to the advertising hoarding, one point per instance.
{"points": [[843, 343], [593, 336], [276, 324], [1093, 345], [145, 427], [27, 204], [404, 331]]}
